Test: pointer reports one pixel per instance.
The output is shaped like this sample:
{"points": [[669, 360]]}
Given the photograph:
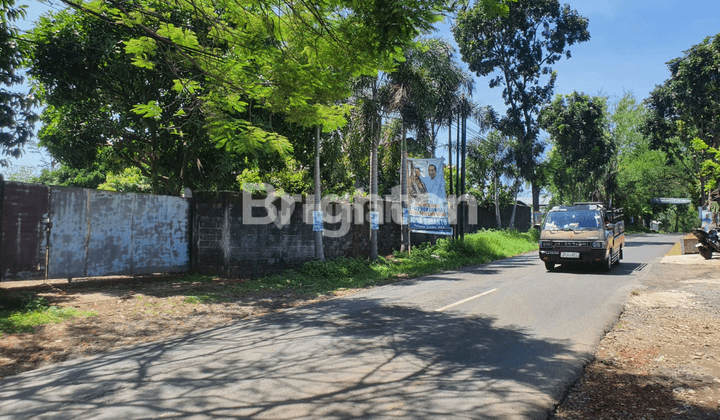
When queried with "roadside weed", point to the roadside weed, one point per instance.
{"points": [[323, 277], [22, 314], [36, 311]]}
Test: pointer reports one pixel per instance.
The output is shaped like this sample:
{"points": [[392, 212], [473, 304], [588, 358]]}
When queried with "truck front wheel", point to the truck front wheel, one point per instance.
{"points": [[549, 266], [608, 262]]}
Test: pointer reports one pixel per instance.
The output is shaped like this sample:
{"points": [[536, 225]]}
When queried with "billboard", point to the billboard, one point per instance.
{"points": [[427, 203]]}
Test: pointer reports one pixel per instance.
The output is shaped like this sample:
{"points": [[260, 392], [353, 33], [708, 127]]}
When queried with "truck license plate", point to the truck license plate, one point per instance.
{"points": [[569, 255]]}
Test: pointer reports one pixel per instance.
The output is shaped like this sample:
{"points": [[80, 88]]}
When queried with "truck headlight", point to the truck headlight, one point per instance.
{"points": [[545, 244], [598, 245]]}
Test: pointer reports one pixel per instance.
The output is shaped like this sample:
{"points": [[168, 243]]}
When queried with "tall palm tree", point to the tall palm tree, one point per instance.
{"points": [[422, 91], [425, 88]]}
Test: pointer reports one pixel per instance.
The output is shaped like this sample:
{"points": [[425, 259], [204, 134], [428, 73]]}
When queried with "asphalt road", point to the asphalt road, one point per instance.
{"points": [[497, 341]]}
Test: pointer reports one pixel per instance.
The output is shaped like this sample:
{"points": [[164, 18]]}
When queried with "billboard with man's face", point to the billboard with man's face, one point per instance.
{"points": [[427, 203]]}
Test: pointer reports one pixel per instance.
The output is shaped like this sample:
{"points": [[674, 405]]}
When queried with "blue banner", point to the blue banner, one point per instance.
{"points": [[317, 221]]}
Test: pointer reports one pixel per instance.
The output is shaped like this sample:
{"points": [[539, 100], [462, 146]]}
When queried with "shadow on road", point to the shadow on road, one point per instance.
{"points": [[338, 359], [621, 269]]}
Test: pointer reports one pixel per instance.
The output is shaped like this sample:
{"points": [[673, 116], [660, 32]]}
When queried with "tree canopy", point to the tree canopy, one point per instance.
{"points": [[684, 112], [292, 58], [193, 92], [16, 108], [96, 102], [577, 124], [521, 47]]}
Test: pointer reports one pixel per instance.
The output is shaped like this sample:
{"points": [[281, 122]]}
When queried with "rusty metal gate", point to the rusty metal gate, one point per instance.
{"points": [[23, 230], [60, 232]]}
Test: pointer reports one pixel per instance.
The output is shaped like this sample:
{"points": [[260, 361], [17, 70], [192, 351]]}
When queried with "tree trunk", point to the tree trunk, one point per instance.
{"points": [[511, 226], [457, 176], [433, 140], [319, 252], [450, 155], [404, 229], [374, 186]]}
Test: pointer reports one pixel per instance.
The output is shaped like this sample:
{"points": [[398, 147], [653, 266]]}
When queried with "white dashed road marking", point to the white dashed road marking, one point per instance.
{"points": [[465, 300]]}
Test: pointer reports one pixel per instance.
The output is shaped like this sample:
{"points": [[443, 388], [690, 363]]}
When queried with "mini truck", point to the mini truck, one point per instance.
{"points": [[582, 233]]}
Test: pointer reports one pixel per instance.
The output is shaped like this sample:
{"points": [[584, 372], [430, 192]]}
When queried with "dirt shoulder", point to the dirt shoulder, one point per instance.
{"points": [[662, 358], [129, 311], [661, 361]]}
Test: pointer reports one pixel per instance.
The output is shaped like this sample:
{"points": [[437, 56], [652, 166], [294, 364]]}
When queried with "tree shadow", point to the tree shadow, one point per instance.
{"points": [[349, 358]]}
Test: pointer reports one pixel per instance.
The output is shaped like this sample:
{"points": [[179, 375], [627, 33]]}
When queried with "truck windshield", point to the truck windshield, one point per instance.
{"points": [[573, 220]]}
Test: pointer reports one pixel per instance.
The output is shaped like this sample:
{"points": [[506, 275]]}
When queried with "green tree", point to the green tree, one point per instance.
{"points": [[71, 177], [577, 125], [685, 108], [523, 46], [643, 173], [22, 174], [426, 87], [421, 88], [490, 160], [17, 117], [97, 108], [292, 59]]}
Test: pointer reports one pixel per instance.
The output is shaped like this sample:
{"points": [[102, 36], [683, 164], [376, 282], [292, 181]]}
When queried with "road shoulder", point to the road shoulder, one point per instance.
{"points": [[661, 359]]}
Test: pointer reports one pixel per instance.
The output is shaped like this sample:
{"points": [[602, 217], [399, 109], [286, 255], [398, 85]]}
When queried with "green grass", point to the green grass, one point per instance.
{"points": [[35, 311], [317, 278], [313, 278], [202, 298]]}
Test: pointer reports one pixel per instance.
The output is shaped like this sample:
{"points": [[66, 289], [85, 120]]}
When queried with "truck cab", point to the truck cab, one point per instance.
{"points": [[582, 233]]}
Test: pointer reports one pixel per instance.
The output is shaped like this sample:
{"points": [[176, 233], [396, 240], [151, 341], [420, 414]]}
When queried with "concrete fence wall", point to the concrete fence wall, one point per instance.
{"points": [[227, 240], [62, 232]]}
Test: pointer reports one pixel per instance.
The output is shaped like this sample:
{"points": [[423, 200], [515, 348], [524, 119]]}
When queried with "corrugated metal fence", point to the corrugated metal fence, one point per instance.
{"points": [[60, 232]]}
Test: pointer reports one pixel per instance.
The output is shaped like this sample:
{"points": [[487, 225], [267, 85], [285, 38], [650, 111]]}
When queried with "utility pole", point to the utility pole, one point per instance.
{"points": [[450, 160], [457, 175]]}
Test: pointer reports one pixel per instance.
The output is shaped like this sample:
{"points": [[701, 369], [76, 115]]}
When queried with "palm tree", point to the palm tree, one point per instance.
{"points": [[422, 91], [425, 90]]}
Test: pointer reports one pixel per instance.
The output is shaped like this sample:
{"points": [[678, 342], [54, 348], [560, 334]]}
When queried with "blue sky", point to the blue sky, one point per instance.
{"points": [[630, 43]]}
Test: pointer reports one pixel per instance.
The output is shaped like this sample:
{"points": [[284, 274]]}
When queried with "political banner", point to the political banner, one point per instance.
{"points": [[427, 203]]}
